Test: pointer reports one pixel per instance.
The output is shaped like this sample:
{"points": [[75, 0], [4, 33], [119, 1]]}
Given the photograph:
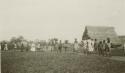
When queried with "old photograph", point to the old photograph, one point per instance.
{"points": [[62, 36]]}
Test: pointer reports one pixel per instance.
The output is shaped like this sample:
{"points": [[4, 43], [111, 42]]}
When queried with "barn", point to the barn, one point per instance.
{"points": [[101, 33]]}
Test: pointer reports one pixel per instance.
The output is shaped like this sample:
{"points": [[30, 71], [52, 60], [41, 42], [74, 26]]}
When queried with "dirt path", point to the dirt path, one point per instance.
{"points": [[119, 58]]}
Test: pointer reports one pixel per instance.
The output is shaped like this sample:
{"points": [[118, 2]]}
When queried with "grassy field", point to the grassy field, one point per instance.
{"points": [[46, 62]]}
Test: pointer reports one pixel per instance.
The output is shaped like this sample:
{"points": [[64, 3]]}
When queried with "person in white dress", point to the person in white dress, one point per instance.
{"points": [[38, 46], [76, 45], [92, 44], [6, 47], [33, 47], [90, 47], [15, 46]]}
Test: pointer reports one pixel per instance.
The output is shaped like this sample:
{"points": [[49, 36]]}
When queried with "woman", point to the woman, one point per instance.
{"points": [[90, 45], [76, 45], [6, 47], [33, 47]]}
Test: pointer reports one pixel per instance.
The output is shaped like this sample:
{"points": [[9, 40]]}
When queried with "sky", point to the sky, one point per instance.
{"points": [[63, 19]]}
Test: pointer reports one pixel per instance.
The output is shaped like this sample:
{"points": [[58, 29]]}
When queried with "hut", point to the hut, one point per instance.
{"points": [[122, 38], [101, 33]]}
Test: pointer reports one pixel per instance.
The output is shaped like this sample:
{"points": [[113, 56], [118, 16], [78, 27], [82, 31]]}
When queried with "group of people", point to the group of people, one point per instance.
{"points": [[4, 46], [102, 47], [88, 46], [35, 46]]}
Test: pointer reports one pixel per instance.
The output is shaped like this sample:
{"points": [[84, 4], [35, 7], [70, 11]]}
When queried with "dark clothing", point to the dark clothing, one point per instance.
{"points": [[22, 48], [95, 46], [100, 46], [60, 47], [108, 47], [2, 46]]}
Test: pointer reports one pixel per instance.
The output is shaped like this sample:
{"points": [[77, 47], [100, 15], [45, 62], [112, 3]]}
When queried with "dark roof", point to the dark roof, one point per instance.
{"points": [[122, 38], [102, 33]]}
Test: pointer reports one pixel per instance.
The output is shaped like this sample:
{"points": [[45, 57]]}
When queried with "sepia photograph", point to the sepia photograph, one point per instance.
{"points": [[62, 36]]}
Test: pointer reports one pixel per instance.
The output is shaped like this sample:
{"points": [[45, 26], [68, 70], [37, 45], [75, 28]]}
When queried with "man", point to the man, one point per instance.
{"points": [[81, 46], [0, 46], [66, 45], [85, 46], [56, 46], [108, 47], [95, 46], [100, 45], [124, 48], [60, 46], [104, 48], [22, 47]]}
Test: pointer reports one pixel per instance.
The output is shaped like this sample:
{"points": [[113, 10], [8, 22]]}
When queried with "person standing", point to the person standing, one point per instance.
{"points": [[104, 48], [6, 47], [124, 48], [60, 46], [15, 46], [95, 46], [90, 46], [22, 47], [0, 46], [49, 46], [81, 46], [76, 45], [100, 45], [108, 47], [38, 46], [56, 46], [33, 47], [85, 47], [66, 45]]}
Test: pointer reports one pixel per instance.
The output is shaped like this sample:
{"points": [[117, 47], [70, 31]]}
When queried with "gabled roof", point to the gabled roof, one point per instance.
{"points": [[101, 33]]}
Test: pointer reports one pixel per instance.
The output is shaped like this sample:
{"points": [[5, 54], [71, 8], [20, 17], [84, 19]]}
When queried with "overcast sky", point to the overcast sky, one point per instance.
{"points": [[64, 19]]}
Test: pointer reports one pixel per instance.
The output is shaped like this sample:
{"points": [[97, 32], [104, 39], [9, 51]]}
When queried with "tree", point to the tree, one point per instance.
{"points": [[20, 39], [13, 40]]}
